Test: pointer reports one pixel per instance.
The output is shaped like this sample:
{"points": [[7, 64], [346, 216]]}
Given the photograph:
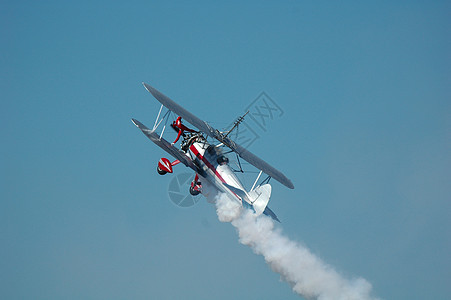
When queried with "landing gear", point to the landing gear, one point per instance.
{"points": [[193, 192], [196, 187]]}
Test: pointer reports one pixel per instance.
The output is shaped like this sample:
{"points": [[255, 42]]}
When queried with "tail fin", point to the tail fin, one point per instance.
{"points": [[260, 198]]}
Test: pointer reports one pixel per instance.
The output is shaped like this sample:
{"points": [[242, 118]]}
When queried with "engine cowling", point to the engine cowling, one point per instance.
{"points": [[164, 166]]}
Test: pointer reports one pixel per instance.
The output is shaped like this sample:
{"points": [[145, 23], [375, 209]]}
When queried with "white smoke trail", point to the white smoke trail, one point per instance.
{"points": [[308, 275]]}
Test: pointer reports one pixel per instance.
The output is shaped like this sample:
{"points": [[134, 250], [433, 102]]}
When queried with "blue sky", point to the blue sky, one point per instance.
{"points": [[365, 138]]}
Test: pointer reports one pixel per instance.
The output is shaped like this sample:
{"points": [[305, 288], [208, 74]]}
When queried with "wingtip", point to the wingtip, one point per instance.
{"points": [[136, 122], [287, 182], [147, 86]]}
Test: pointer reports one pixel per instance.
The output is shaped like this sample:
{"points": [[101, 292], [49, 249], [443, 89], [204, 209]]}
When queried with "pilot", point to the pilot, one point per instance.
{"points": [[177, 125]]}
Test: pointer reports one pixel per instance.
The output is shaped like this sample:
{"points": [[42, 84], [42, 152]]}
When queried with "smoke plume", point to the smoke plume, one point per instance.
{"points": [[306, 273]]}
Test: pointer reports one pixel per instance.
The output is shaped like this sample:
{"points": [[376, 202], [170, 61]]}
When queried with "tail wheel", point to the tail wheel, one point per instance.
{"points": [[160, 171], [193, 192]]}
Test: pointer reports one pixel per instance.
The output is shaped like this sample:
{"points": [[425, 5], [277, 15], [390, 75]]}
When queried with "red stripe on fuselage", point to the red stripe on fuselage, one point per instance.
{"points": [[210, 166]]}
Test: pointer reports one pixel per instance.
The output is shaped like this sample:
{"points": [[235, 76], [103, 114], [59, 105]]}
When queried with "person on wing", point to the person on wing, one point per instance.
{"points": [[177, 125]]}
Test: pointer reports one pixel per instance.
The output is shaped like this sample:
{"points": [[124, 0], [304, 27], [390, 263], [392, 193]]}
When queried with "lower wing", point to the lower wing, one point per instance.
{"points": [[166, 146]]}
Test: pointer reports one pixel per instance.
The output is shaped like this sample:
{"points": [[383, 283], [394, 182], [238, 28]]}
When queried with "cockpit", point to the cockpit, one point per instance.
{"points": [[222, 160], [216, 153]]}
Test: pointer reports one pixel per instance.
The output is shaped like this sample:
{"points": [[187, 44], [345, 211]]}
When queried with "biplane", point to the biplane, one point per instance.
{"points": [[209, 162]]}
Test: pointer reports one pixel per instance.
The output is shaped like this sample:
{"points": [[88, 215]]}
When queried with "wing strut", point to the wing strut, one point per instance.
{"points": [[158, 117], [239, 163], [258, 177]]}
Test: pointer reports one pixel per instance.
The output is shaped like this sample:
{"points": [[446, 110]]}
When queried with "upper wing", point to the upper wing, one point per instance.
{"points": [[206, 128], [166, 146], [177, 109], [262, 165]]}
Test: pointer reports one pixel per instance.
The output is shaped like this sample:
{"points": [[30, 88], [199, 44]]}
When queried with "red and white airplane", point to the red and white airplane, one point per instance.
{"points": [[210, 164]]}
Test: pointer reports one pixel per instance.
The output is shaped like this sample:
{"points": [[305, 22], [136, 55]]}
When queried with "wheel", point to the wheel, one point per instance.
{"points": [[193, 192], [160, 171]]}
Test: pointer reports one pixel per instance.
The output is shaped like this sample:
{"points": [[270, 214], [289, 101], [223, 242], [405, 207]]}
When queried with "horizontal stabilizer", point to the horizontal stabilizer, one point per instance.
{"points": [[239, 192], [271, 214]]}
